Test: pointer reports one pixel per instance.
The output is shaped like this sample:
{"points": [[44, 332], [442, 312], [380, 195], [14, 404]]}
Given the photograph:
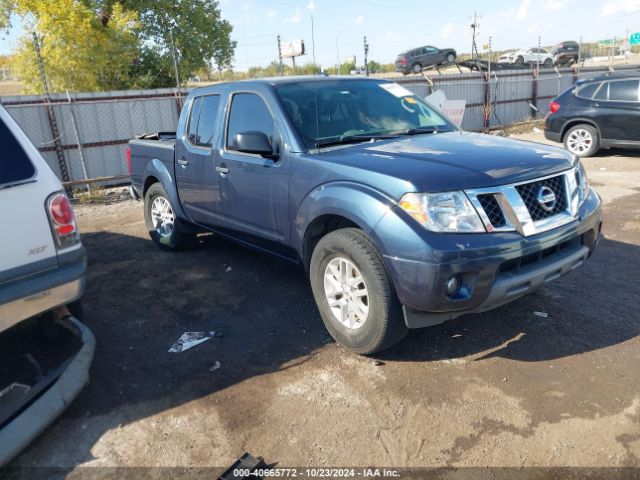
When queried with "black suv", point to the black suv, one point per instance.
{"points": [[597, 113], [566, 53]]}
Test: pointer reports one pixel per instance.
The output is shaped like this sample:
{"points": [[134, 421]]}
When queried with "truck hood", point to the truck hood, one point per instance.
{"points": [[454, 160]]}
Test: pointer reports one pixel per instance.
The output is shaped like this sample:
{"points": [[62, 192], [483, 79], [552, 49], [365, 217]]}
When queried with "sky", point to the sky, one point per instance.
{"points": [[394, 26]]}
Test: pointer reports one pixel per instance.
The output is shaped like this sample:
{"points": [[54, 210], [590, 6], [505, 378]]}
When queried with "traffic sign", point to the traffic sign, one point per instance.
{"points": [[634, 39]]}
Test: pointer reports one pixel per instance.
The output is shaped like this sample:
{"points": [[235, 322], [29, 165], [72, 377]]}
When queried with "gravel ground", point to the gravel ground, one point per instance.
{"points": [[503, 388]]}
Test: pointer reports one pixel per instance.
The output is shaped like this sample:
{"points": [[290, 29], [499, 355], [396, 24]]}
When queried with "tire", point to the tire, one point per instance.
{"points": [[582, 140], [548, 63], [416, 68], [519, 60], [451, 58], [169, 233], [351, 252]]}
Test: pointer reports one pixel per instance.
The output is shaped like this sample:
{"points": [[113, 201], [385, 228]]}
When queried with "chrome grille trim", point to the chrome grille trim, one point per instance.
{"points": [[515, 211]]}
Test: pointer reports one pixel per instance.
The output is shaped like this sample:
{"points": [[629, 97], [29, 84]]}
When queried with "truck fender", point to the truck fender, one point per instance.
{"points": [[355, 202], [157, 169]]}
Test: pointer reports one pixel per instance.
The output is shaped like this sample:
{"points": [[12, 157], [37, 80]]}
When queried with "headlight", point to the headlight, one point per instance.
{"points": [[583, 184], [442, 212]]}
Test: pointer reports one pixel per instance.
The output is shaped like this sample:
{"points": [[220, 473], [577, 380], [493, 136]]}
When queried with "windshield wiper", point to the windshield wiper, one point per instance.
{"points": [[345, 139], [419, 130]]}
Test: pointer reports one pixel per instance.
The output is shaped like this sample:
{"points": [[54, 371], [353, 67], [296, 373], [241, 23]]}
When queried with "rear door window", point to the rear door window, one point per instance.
{"points": [[624, 91], [192, 128], [16, 166], [588, 90], [603, 92], [207, 121]]}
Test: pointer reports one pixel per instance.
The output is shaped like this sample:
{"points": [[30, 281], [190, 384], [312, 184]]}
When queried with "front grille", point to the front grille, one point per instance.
{"points": [[492, 209], [529, 194]]}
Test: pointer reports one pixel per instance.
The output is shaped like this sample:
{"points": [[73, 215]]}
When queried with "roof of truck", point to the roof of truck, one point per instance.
{"points": [[292, 79]]}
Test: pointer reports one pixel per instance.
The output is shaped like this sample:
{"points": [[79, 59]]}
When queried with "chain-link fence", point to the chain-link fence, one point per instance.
{"points": [[84, 136]]}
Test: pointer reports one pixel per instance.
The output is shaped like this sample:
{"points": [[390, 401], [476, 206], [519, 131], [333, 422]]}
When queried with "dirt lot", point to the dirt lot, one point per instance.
{"points": [[504, 388]]}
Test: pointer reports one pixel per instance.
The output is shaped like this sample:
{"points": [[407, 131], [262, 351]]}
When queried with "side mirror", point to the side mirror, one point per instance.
{"points": [[253, 142]]}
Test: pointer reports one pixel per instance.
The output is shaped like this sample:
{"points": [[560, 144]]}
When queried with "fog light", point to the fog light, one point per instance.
{"points": [[452, 285]]}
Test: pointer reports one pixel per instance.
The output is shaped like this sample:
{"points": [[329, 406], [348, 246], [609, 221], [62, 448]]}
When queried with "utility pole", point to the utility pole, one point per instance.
{"points": [[474, 33], [538, 57], [53, 124], [175, 59], [366, 53], [280, 57], [580, 50], [313, 46]]}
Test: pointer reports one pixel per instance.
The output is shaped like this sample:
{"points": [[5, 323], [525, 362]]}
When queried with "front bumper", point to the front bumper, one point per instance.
{"points": [[33, 418], [494, 269]]}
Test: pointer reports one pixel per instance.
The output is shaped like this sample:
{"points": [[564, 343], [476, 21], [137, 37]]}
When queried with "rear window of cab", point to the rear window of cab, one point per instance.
{"points": [[15, 165]]}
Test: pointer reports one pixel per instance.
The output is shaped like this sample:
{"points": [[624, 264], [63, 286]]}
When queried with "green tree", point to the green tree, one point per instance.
{"points": [[80, 50], [192, 29]]}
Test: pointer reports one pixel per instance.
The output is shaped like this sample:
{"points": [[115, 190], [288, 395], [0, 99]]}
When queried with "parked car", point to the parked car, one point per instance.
{"points": [[601, 112], [45, 353], [418, 58], [532, 56], [399, 219], [566, 53]]}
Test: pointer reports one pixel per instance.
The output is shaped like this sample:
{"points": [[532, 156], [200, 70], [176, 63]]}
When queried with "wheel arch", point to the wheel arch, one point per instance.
{"points": [[578, 121], [157, 172], [334, 206]]}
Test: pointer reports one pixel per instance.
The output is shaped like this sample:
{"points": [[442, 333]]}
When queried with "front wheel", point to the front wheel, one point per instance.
{"points": [[519, 60], [548, 63], [354, 294], [451, 58], [582, 140], [166, 230]]}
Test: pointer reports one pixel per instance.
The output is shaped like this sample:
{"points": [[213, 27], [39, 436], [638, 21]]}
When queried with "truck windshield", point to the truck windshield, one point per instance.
{"points": [[328, 112], [15, 165]]}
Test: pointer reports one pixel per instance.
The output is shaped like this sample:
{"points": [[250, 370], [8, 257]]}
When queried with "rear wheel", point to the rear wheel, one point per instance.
{"points": [[416, 68], [548, 63], [166, 230], [582, 140], [354, 293]]}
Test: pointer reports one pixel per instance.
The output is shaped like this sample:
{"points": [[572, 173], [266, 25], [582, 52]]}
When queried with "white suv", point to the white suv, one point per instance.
{"points": [[532, 56], [42, 268]]}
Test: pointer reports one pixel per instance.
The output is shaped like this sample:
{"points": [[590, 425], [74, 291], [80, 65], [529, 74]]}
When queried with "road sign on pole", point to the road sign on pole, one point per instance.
{"points": [[634, 38]]}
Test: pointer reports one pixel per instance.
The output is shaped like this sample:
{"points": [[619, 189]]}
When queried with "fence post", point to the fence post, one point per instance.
{"points": [[74, 123], [534, 94], [486, 102]]}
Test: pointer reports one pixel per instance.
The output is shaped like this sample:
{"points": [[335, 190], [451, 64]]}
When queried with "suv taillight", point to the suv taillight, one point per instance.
{"points": [[554, 107], [128, 154], [62, 220]]}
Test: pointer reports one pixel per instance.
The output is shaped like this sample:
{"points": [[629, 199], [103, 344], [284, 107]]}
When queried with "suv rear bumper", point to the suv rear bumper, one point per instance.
{"points": [[43, 292], [41, 412], [493, 269], [553, 136]]}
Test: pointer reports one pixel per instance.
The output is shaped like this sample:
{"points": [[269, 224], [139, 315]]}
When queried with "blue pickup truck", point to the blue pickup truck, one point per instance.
{"points": [[399, 219]]}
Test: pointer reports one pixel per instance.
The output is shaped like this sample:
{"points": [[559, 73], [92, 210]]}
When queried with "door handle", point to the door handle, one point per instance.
{"points": [[222, 169], [183, 161]]}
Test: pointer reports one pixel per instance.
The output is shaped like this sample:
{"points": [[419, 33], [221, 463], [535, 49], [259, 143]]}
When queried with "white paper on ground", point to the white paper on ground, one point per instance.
{"points": [[189, 340]]}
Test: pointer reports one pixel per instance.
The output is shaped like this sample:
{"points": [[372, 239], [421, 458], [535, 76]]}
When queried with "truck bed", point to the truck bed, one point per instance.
{"points": [[148, 147]]}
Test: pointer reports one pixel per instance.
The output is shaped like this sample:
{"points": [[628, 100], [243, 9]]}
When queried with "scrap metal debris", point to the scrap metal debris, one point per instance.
{"points": [[541, 314], [189, 340]]}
